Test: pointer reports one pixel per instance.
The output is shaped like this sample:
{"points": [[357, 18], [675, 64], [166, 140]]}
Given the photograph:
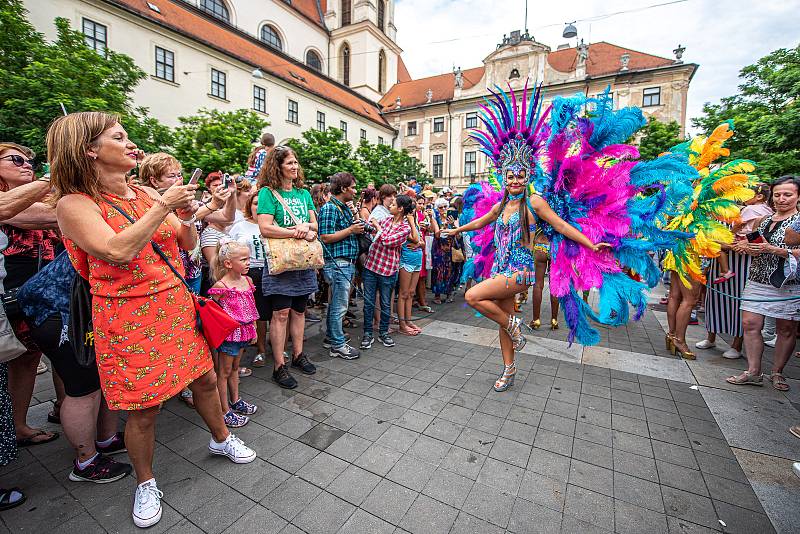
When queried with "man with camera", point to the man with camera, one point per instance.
{"points": [[338, 227]]}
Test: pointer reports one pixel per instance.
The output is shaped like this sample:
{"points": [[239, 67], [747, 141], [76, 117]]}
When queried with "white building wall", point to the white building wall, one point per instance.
{"points": [[167, 101]]}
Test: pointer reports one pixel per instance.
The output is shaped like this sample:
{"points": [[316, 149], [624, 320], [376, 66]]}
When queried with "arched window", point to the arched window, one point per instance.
{"points": [[514, 74], [216, 8], [381, 72], [347, 10], [313, 60], [270, 36], [346, 64], [381, 14]]}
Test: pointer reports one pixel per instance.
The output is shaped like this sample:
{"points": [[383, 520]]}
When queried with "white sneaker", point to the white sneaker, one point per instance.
{"points": [[771, 342], [796, 468], [147, 504], [705, 344], [234, 449], [732, 354]]}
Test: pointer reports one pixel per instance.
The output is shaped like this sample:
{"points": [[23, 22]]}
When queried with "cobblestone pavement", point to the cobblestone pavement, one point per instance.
{"points": [[617, 438]]}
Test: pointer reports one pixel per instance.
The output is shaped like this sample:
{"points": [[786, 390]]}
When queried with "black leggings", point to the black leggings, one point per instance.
{"points": [[78, 381]]}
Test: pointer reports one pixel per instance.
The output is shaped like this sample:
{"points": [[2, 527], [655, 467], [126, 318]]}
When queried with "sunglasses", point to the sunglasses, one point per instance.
{"points": [[18, 160]]}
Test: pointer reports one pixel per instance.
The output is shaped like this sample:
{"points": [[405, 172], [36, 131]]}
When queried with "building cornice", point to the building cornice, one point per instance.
{"points": [[351, 29]]}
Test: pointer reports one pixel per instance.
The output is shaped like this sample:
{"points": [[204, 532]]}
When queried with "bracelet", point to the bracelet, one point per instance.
{"points": [[189, 222], [45, 178], [206, 204]]}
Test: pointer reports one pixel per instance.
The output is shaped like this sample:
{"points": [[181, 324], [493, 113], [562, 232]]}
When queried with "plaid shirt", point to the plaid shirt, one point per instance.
{"points": [[384, 254], [334, 217]]}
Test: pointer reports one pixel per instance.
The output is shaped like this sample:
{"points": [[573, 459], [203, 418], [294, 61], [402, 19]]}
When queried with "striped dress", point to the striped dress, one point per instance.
{"points": [[723, 315]]}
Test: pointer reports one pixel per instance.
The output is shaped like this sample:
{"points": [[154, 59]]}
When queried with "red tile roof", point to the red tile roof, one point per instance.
{"points": [[309, 9], [191, 22], [604, 59], [412, 93], [402, 71]]}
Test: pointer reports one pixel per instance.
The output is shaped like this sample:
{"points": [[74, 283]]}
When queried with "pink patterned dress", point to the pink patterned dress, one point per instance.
{"points": [[241, 305]]}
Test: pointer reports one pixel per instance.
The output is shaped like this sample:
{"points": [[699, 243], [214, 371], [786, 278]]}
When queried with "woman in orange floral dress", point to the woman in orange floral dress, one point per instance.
{"points": [[146, 341]]}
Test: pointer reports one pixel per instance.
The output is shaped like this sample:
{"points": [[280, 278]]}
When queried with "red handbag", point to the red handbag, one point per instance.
{"points": [[212, 320]]}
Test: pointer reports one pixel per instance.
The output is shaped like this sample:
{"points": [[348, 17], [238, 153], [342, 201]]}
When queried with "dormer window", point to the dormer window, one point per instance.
{"points": [[514, 74]]}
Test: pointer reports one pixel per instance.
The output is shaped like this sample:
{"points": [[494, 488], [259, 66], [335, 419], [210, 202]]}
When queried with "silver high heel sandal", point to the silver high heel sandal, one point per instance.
{"points": [[514, 330], [506, 380]]}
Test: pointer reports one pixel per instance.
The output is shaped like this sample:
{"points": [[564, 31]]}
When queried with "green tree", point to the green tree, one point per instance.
{"points": [[322, 154], [384, 164], [217, 140], [765, 112], [38, 77], [658, 137]]}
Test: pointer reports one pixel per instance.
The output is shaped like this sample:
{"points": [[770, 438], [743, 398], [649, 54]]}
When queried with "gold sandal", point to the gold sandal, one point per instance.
{"points": [[682, 349], [553, 324], [535, 324]]}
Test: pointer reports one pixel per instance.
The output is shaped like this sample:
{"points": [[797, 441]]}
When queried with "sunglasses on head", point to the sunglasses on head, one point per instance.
{"points": [[18, 160]]}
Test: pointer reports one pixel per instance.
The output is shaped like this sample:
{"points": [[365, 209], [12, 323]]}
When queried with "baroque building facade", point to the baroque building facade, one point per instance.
{"points": [[433, 116]]}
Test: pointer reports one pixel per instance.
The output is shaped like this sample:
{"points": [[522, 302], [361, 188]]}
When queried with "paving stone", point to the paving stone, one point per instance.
{"points": [[403, 398], [485, 502], [370, 428], [511, 452], [485, 422], [594, 416], [456, 414], [743, 521], [464, 462], [417, 386], [476, 440], [635, 465], [701, 443], [387, 412], [428, 405], [596, 390], [414, 420], [590, 506], [411, 472], [525, 415], [429, 449], [428, 516], [343, 419], [354, 484], [257, 519], [378, 460], [531, 518], [554, 442], [362, 522], [572, 525], [664, 418], [594, 433], [665, 404], [593, 453], [558, 424], [630, 425], [519, 432], [291, 497], [676, 436], [322, 469], [501, 475], [389, 501], [543, 490], [549, 464], [448, 487], [591, 477], [590, 402], [494, 407], [681, 478], [326, 514], [674, 454], [466, 400], [467, 524], [719, 466], [397, 438], [681, 526], [735, 493], [638, 491], [348, 447], [688, 506], [218, 514], [444, 430], [631, 443], [294, 456], [636, 520]]}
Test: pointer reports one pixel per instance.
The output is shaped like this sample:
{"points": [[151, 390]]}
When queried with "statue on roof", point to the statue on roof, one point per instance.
{"points": [[459, 77]]}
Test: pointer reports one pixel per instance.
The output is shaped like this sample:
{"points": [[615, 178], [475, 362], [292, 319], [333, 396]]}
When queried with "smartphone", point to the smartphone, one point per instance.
{"points": [[226, 180], [195, 176], [754, 237]]}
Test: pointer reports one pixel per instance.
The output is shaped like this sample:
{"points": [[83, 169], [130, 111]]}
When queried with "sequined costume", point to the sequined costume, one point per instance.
{"points": [[513, 259]]}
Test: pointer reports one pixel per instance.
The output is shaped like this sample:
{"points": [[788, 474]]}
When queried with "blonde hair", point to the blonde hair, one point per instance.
{"points": [[4, 146], [68, 139], [225, 250], [154, 165]]}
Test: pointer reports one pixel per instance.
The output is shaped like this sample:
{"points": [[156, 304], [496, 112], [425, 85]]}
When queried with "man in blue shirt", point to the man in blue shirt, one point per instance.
{"points": [[338, 230], [412, 184]]}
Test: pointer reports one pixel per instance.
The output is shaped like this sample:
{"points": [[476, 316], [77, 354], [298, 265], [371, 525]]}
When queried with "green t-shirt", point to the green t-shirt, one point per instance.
{"points": [[298, 200]]}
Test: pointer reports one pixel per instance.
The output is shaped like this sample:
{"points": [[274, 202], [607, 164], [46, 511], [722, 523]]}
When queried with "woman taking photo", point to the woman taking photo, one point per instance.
{"points": [[770, 251], [287, 293], [146, 352]]}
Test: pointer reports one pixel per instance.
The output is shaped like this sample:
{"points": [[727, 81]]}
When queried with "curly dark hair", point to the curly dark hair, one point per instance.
{"points": [[270, 174]]}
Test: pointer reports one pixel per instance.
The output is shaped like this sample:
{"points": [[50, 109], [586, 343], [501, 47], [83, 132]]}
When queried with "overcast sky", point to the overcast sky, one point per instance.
{"points": [[722, 36]]}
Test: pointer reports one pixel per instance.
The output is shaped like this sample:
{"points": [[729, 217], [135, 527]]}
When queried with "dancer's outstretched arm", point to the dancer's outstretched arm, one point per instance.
{"points": [[479, 223], [545, 212]]}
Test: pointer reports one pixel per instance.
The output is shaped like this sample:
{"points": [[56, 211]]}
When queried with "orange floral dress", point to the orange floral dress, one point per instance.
{"points": [[146, 341]]}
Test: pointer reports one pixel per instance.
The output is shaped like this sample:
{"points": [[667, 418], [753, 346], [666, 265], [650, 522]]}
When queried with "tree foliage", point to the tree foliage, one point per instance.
{"points": [[766, 114], [39, 76], [658, 137], [217, 140], [322, 154]]}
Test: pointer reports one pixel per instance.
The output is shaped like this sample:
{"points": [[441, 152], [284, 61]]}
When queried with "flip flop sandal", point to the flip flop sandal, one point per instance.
{"points": [[745, 379], [53, 416], [29, 441], [778, 382], [6, 495], [244, 372], [426, 309]]}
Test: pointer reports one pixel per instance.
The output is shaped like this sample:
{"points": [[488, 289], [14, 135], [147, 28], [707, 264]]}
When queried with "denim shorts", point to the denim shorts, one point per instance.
{"points": [[232, 348], [411, 260]]}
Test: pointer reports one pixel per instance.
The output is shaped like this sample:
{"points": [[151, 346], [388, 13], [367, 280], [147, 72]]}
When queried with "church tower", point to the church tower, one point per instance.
{"points": [[363, 53]]}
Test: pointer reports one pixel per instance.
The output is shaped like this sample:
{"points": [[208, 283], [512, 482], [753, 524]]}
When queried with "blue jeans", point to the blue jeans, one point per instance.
{"points": [[384, 284], [339, 274]]}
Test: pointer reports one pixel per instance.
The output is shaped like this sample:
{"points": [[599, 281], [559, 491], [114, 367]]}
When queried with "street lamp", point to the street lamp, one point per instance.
{"points": [[570, 31], [257, 73]]}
